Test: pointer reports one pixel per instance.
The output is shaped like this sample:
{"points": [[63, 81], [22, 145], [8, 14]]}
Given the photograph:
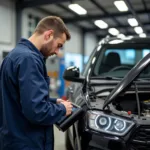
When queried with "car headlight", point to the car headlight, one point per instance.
{"points": [[108, 124]]}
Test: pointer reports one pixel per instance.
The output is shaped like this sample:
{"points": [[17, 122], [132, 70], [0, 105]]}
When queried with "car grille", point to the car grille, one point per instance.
{"points": [[141, 139]]}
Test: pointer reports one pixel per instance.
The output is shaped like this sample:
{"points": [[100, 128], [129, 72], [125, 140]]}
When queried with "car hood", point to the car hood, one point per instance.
{"points": [[127, 80]]}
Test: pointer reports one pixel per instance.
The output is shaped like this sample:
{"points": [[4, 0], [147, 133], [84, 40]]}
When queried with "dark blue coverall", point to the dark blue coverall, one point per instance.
{"points": [[27, 114]]}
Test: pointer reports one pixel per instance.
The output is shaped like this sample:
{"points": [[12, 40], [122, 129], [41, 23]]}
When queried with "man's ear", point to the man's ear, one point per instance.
{"points": [[49, 35]]}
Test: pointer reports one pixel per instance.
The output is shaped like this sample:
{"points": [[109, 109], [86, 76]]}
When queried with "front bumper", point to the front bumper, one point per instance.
{"points": [[137, 139], [103, 142]]}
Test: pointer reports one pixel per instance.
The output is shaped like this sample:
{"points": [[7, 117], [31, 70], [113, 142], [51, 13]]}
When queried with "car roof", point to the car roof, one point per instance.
{"points": [[128, 39]]}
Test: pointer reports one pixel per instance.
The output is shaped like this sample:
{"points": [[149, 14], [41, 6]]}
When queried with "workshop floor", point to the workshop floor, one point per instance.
{"points": [[59, 139]]}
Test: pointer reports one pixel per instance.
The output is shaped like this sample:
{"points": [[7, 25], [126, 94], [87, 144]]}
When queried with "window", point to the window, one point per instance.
{"points": [[73, 59], [145, 52], [32, 23], [127, 56], [118, 61]]}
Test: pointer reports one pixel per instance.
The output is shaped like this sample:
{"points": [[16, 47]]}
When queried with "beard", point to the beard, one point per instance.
{"points": [[47, 49]]}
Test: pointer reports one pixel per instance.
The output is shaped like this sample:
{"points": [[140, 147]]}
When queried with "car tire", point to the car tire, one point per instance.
{"points": [[67, 142]]}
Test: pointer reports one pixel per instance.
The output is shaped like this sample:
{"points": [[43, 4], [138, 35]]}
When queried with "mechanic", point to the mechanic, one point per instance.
{"points": [[27, 114]]}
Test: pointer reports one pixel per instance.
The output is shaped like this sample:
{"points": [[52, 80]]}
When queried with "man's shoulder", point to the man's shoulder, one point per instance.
{"points": [[18, 53], [21, 51]]}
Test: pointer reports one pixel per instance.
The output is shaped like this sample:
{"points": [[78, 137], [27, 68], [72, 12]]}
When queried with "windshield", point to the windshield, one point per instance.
{"points": [[117, 62]]}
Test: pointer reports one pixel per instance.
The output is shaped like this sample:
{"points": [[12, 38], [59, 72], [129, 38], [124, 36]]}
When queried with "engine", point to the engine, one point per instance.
{"points": [[128, 102], [146, 108]]}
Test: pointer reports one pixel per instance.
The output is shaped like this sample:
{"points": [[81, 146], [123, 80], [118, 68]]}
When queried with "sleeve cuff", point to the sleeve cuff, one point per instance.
{"points": [[63, 108], [53, 100]]}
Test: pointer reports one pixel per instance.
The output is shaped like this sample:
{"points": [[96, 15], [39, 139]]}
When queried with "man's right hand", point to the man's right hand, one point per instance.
{"points": [[68, 107]]}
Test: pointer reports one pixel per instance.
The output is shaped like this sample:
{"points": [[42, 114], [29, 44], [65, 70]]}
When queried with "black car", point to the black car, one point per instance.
{"points": [[114, 91]]}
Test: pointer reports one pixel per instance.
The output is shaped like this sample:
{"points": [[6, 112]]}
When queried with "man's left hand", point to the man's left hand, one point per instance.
{"points": [[59, 101]]}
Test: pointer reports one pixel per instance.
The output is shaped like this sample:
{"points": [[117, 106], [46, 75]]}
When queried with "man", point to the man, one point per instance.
{"points": [[27, 114]]}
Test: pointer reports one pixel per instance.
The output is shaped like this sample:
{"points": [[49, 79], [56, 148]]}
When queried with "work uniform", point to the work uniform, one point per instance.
{"points": [[27, 114]]}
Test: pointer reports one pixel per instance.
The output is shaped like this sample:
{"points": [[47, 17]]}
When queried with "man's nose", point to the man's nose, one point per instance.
{"points": [[56, 51]]}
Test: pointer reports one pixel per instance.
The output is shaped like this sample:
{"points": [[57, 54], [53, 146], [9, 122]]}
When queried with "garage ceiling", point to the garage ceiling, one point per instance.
{"points": [[97, 10]]}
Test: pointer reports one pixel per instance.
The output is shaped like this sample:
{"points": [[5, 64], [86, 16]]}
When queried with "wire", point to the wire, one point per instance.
{"points": [[86, 87], [87, 101], [92, 94], [138, 101]]}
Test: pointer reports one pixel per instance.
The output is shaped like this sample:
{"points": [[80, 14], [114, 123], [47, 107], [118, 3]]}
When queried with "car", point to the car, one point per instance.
{"points": [[114, 92]]}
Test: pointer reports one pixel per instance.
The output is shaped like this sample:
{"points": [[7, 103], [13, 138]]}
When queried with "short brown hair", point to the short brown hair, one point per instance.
{"points": [[55, 23]]}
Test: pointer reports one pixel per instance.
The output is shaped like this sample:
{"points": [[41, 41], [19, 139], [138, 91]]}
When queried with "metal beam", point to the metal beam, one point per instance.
{"points": [[118, 27], [95, 17], [127, 34], [35, 3], [66, 9], [50, 13], [46, 12], [70, 11], [146, 9], [104, 11], [134, 13], [83, 46]]}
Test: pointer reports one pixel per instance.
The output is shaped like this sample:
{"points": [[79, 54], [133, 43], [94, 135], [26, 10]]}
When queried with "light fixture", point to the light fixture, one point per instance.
{"points": [[121, 36], [116, 41], [108, 124], [138, 30], [78, 9], [133, 22], [121, 5], [101, 24], [142, 35], [113, 31], [129, 37]]}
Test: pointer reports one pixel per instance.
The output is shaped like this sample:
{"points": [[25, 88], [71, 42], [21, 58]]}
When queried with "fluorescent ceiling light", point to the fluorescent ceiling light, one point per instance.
{"points": [[142, 35], [101, 24], [121, 5], [78, 9], [128, 37], [113, 31], [116, 41], [121, 36], [133, 22], [138, 30]]}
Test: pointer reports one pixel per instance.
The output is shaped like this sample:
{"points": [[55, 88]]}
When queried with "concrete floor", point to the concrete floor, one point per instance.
{"points": [[59, 139]]}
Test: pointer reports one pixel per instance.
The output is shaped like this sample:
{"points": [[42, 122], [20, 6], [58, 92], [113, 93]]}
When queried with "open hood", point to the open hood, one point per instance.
{"points": [[128, 79]]}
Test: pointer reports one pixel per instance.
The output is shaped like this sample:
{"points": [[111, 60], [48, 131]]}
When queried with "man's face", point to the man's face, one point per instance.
{"points": [[52, 47]]}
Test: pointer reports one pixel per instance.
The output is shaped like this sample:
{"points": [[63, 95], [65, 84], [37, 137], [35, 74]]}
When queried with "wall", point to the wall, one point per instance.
{"points": [[75, 43], [90, 43], [7, 26], [25, 20]]}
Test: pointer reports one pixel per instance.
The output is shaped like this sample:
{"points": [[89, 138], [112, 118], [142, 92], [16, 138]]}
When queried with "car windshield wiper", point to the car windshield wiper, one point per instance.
{"points": [[106, 77]]}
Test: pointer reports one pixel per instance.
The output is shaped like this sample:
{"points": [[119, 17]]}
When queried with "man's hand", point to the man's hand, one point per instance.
{"points": [[59, 101], [68, 107]]}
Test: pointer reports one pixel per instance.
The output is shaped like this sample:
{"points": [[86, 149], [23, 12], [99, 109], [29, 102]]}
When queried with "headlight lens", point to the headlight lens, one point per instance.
{"points": [[108, 124]]}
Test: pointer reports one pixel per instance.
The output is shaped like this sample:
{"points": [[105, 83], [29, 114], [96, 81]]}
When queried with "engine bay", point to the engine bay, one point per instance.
{"points": [[128, 103]]}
